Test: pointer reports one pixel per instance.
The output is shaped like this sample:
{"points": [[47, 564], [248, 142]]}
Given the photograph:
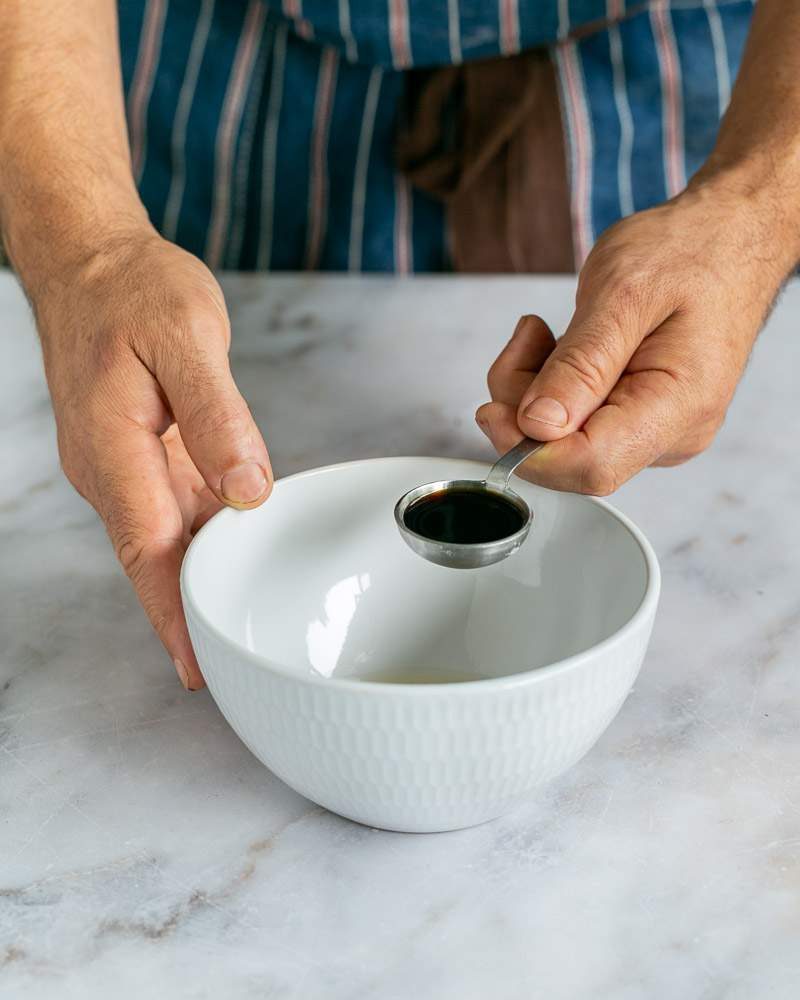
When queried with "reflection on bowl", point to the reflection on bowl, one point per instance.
{"points": [[399, 693]]}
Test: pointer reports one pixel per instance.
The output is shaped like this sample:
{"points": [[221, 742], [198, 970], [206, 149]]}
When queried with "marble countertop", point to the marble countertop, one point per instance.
{"points": [[145, 852]]}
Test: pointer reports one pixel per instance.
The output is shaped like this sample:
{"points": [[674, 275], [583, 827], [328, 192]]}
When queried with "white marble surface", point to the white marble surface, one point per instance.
{"points": [[144, 852]]}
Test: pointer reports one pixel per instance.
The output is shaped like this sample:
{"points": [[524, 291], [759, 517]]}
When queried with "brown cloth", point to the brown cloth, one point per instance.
{"points": [[486, 138]]}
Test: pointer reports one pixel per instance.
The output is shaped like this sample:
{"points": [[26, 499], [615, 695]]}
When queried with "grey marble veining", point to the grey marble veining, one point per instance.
{"points": [[144, 852]]}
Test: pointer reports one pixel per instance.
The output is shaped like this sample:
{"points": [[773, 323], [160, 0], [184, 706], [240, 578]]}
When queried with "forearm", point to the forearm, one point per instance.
{"points": [[65, 174], [757, 153]]}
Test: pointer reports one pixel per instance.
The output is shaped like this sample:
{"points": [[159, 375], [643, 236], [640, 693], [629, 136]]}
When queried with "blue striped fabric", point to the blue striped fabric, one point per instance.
{"points": [[654, 86], [262, 132]]}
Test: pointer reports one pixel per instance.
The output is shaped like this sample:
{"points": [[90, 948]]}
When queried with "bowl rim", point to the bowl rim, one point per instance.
{"points": [[484, 685]]}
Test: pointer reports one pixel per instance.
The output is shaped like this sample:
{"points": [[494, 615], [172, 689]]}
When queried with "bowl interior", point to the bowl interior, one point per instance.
{"points": [[318, 580]]}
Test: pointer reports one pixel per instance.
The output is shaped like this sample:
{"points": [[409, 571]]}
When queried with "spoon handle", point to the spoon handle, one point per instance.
{"points": [[500, 472]]}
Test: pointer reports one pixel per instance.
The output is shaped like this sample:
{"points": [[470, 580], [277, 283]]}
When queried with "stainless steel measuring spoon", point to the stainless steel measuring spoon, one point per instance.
{"points": [[473, 554]]}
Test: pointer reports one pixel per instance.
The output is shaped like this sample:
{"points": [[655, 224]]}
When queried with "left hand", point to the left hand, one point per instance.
{"points": [[669, 304]]}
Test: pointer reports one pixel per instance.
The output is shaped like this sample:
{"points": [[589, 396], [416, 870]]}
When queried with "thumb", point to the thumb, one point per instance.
{"points": [[216, 425], [579, 374]]}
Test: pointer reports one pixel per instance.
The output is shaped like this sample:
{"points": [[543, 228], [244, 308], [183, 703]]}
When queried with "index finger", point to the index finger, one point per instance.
{"points": [[581, 372], [144, 521], [521, 358], [647, 411]]}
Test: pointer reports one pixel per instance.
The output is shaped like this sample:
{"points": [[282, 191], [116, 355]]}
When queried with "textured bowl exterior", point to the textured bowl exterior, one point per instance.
{"points": [[425, 759]]}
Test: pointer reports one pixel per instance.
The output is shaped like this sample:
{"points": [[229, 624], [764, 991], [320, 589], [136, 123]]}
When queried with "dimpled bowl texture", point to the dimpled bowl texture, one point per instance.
{"points": [[292, 605]]}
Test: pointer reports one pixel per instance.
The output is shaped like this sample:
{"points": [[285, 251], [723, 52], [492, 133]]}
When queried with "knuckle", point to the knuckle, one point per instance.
{"points": [[680, 457], [192, 322], [158, 619], [137, 554], [683, 456], [133, 554], [494, 378], [209, 317], [598, 479], [215, 420], [141, 539], [618, 294], [670, 460], [482, 413], [130, 550], [700, 444], [182, 335], [710, 410], [630, 290], [199, 316], [709, 437], [74, 474], [587, 362], [107, 387], [72, 468]]}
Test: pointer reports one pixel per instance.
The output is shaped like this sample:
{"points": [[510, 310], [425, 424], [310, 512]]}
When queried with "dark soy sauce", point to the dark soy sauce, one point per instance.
{"points": [[463, 517]]}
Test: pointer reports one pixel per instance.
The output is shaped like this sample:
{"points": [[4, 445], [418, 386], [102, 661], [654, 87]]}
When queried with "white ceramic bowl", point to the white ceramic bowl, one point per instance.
{"points": [[290, 605]]}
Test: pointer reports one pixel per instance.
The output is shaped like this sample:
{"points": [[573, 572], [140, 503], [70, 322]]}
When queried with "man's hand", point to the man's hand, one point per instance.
{"points": [[668, 306], [151, 428]]}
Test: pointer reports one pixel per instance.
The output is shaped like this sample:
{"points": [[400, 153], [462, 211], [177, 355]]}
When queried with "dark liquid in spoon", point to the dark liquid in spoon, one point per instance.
{"points": [[464, 517]]}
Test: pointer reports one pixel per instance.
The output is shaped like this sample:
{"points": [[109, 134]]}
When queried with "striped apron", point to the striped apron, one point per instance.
{"points": [[262, 132]]}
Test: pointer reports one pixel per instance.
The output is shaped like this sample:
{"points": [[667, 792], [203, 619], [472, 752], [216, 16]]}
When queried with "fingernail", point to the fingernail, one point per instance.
{"points": [[548, 411], [518, 327], [244, 484], [183, 673]]}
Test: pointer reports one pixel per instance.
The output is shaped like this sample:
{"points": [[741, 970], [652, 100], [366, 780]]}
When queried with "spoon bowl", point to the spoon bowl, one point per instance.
{"points": [[471, 555], [456, 555]]}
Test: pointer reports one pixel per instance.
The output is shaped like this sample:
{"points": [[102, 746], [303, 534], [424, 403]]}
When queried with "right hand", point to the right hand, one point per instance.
{"points": [[152, 430]]}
